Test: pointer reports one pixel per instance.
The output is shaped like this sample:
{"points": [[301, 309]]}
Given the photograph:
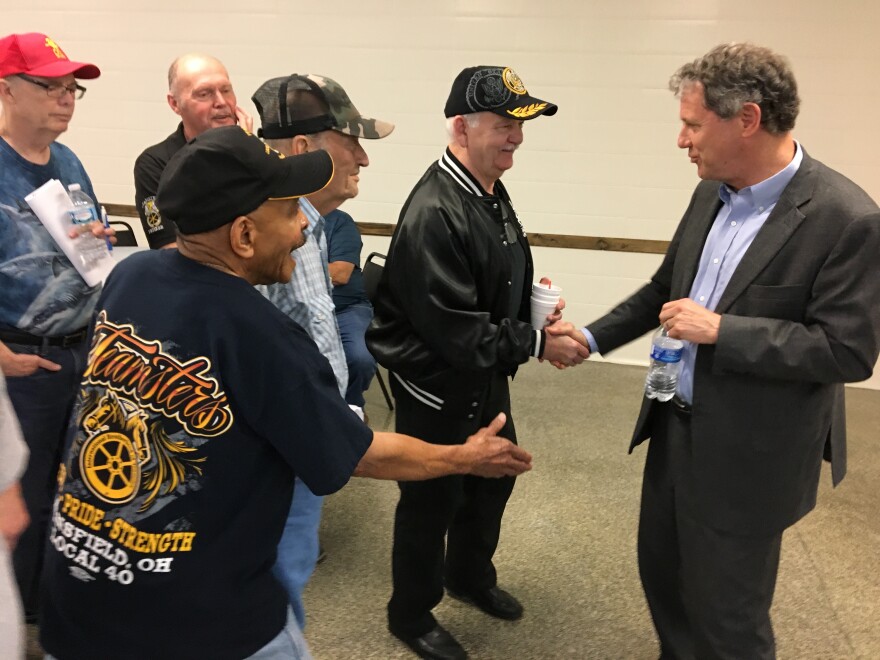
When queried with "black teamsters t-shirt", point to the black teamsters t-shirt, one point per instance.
{"points": [[148, 169], [199, 402]]}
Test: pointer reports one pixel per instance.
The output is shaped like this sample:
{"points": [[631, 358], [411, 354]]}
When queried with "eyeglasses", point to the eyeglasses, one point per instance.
{"points": [[55, 90]]}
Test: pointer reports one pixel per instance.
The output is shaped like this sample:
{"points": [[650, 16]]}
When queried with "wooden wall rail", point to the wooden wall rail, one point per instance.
{"points": [[535, 240]]}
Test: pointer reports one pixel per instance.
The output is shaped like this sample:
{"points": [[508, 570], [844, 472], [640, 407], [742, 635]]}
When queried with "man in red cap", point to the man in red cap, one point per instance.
{"points": [[46, 306]]}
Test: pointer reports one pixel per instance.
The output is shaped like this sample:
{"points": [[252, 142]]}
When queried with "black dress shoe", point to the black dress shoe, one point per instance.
{"points": [[494, 602], [438, 644]]}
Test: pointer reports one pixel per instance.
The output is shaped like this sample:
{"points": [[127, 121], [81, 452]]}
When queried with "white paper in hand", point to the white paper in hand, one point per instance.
{"points": [[51, 204]]}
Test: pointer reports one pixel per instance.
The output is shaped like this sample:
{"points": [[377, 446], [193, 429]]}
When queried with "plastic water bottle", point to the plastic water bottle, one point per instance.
{"points": [[665, 365], [90, 247]]}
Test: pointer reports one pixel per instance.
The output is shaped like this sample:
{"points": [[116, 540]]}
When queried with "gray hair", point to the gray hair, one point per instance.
{"points": [[283, 144], [738, 73], [472, 119]]}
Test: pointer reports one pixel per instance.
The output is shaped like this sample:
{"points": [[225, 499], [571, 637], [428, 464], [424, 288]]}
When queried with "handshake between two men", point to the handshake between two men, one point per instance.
{"points": [[488, 454], [683, 319], [564, 344]]}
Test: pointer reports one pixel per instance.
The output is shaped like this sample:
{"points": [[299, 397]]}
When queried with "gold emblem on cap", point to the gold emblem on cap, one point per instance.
{"points": [[513, 81], [527, 110], [50, 43]]}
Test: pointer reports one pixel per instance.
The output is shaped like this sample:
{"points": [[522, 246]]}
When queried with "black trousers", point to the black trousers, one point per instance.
{"points": [[709, 592], [465, 510]]}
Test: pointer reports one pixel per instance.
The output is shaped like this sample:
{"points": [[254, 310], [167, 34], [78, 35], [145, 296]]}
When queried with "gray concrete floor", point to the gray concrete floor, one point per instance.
{"points": [[568, 543]]}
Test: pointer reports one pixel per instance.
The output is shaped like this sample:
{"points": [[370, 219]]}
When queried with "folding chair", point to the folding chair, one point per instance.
{"points": [[125, 236], [372, 273]]}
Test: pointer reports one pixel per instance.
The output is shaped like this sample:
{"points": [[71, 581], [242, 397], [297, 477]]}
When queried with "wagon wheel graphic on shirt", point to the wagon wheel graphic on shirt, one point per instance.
{"points": [[122, 455], [109, 466], [111, 458]]}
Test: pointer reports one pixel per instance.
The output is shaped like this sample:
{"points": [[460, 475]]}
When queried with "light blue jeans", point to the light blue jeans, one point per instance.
{"points": [[298, 549], [289, 644], [353, 322]]}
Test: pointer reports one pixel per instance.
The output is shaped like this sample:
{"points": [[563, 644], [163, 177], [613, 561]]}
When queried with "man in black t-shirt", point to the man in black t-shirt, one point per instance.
{"points": [[200, 403], [200, 92]]}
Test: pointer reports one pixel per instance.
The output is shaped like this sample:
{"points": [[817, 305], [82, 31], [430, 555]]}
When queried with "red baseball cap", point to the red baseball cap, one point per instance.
{"points": [[38, 55]]}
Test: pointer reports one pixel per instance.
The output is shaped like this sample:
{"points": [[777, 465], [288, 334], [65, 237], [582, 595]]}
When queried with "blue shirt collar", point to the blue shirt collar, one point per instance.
{"points": [[766, 193]]}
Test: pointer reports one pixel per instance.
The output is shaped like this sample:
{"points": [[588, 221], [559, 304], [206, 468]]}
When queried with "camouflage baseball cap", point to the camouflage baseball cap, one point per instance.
{"points": [[302, 104]]}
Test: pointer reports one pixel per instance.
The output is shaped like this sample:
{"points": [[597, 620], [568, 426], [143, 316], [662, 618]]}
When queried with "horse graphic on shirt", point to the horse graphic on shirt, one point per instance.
{"points": [[122, 455]]}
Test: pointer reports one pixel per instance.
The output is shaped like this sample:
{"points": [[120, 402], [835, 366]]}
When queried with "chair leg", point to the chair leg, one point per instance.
{"points": [[384, 389]]}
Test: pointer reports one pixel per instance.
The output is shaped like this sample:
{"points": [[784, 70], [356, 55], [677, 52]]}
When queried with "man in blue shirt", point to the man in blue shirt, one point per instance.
{"points": [[353, 309], [771, 280], [46, 305]]}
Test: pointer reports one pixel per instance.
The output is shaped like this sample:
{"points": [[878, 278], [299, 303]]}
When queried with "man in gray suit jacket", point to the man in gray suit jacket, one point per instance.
{"points": [[771, 280]]}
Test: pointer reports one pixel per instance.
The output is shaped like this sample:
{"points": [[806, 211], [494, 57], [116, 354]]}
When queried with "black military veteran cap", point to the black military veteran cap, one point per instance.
{"points": [[302, 104], [494, 89], [227, 172]]}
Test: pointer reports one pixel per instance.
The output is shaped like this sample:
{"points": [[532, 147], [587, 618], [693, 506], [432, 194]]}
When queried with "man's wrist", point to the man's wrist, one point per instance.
{"points": [[459, 457], [540, 343], [591, 340]]}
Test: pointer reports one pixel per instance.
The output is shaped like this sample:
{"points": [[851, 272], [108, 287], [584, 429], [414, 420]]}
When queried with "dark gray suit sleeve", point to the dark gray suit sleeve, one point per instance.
{"points": [[839, 338], [640, 312]]}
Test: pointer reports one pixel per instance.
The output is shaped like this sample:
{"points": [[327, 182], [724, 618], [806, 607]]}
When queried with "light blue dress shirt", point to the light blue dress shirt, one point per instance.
{"points": [[739, 220]]}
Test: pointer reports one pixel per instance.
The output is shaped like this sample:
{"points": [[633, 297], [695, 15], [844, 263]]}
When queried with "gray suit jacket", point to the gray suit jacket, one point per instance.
{"points": [[800, 317]]}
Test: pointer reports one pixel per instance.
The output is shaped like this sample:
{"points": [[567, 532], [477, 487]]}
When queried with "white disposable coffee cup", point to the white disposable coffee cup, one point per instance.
{"points": [[546, 297], [544, 293], [546, 290], [541, 309]]}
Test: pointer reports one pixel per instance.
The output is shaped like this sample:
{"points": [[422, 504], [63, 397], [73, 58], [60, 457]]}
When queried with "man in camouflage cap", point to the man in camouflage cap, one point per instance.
{"points": [[300, 114], [309, 104]]}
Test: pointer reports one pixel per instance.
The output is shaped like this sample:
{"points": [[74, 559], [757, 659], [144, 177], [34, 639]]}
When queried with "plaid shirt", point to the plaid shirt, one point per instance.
{"points": [[308, 297]]}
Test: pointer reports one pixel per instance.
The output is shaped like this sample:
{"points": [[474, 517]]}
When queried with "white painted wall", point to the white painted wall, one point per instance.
{"points": [[605, 165]]}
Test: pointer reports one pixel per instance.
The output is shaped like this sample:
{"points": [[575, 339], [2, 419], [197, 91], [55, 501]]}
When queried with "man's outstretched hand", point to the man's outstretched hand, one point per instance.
{"points": [[494, 456]]}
